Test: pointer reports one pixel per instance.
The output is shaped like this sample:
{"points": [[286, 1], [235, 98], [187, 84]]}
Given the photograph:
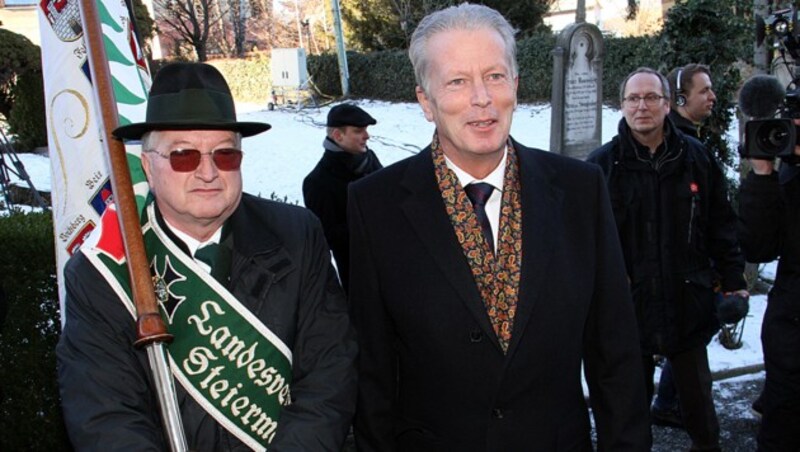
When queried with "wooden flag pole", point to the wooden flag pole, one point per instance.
{"points": [[151, 330]]}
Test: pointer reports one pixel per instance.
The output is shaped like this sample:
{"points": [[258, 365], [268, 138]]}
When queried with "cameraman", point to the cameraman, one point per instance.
{"points": [[769, 228]]}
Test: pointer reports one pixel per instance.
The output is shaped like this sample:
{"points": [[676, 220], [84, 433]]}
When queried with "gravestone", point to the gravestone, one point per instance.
{"points": [[576, 124]]}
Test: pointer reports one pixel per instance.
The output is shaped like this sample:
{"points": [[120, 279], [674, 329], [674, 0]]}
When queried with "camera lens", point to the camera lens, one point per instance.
{"points": [[772, 137]]}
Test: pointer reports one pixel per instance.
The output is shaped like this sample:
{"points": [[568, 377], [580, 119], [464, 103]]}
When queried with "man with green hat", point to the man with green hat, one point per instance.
{"points": [[264, 353]]}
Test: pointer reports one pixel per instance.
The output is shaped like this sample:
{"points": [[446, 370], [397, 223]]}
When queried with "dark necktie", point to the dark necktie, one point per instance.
{"points": [[479, 194], [210, 254]]}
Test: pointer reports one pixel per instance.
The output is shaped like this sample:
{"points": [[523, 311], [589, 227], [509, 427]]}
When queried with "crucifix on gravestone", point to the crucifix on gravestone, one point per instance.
{"points": [[576, 123]]}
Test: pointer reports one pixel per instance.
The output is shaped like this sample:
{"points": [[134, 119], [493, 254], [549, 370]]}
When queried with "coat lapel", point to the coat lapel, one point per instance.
{"points": [[425, 212], [258, 252], [542, 202]]}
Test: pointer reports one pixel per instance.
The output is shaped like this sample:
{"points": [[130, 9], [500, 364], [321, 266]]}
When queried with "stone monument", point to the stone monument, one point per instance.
{"points": [[576, 123]]}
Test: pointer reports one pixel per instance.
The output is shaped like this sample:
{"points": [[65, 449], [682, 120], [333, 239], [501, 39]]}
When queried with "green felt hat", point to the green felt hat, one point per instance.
{"points": [[189, 96]]}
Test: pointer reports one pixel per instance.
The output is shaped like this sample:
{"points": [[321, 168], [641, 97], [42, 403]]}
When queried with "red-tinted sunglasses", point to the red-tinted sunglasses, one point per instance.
{"points": [[187, 160]]}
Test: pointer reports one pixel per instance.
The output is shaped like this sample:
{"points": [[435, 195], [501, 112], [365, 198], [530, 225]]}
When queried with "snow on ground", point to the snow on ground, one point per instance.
{"points": [[278, 160]]}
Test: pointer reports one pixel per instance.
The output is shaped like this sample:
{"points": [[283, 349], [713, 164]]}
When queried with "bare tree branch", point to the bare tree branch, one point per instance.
{"points": [[191, 21]]}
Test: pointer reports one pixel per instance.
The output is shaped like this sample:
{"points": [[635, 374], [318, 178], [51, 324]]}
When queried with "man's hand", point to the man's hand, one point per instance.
{"points": [[765, 167], [742, 293], [733, 306]]}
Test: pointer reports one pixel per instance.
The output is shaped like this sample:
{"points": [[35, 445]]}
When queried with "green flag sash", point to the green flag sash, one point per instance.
{"points": [[224, 357]]}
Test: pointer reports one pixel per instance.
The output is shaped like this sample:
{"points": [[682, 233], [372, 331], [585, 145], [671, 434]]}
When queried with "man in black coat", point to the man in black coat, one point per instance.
{"points": [[691, 103], [674, 218], [488, 273], [346, 159], [263, 352], [769, 212]]}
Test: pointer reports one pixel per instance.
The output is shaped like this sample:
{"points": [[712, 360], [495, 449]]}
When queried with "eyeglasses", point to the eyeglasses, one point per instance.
{"points": [[649, 100], [187, 160]]}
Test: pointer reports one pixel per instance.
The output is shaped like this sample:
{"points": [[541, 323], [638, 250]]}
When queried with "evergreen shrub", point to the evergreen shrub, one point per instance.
{"points": [[27, 121], [324, 72], [250, 79], [30, 411], [623, 56], [21, 90], [535, 59], [387, 75]]}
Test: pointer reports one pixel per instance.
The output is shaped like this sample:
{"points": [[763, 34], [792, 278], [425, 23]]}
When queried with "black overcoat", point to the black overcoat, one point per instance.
{"points": [[678, 234], [281, 272], [325, 193], [432, 374], [769, 208]]}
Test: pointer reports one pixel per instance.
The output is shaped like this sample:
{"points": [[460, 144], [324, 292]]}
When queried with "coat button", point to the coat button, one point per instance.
{"points": [[475, 336], [497, 413]]}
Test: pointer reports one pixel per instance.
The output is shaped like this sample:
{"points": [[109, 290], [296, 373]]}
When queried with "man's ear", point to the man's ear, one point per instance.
{"points": [[336, 134], [516, 87], [425, 103], [146, 166]]}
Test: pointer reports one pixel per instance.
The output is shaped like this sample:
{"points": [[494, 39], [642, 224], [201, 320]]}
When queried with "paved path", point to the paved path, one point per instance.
{"points": [[738, 426]]}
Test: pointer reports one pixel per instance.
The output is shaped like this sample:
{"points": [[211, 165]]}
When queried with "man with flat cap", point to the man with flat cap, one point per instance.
{"points": [[346, 159], [263, 354]]}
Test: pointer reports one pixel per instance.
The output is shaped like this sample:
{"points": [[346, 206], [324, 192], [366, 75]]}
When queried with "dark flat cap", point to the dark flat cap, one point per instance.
{"points": [[349, 115]]}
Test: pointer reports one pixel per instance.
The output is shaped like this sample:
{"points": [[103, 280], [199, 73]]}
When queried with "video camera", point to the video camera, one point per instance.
{"points": [[772, 132]]}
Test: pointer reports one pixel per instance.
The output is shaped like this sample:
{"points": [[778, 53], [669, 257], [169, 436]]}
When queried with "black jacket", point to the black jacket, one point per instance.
{"points": [[280, 270], [433, 376], [325, 193], [684, 125], [769, 208], [674, 220], [769, 226]]}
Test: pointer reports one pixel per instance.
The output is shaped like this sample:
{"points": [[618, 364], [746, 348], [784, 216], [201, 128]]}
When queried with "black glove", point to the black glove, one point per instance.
{"points": [[732, 308]]}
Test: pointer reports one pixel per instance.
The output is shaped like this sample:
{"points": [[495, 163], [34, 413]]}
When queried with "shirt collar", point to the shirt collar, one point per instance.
{"points": [[191, 243], [495, 178]]}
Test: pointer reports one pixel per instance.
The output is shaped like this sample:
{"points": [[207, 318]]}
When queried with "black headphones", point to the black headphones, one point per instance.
{"points": [[680, 98]]}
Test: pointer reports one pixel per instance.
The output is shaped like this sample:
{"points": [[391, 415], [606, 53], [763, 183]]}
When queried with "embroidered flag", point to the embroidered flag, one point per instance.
{"points": [[79, 172]]}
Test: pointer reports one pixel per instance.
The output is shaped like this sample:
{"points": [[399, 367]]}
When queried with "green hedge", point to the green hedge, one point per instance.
{"points": [[249, 79], [385, 75], [30, 412], [27, 119], [324, 72], [388, 75], [535, 59], [623, 56], [21, 90]]}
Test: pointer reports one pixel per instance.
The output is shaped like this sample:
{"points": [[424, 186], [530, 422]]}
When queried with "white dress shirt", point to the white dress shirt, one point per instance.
{"points": [[193, 245], [495, 179]]}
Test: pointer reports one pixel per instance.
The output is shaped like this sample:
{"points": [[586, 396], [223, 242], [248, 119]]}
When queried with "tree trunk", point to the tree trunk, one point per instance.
{"points": [[760, 54], [200, 48]]}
